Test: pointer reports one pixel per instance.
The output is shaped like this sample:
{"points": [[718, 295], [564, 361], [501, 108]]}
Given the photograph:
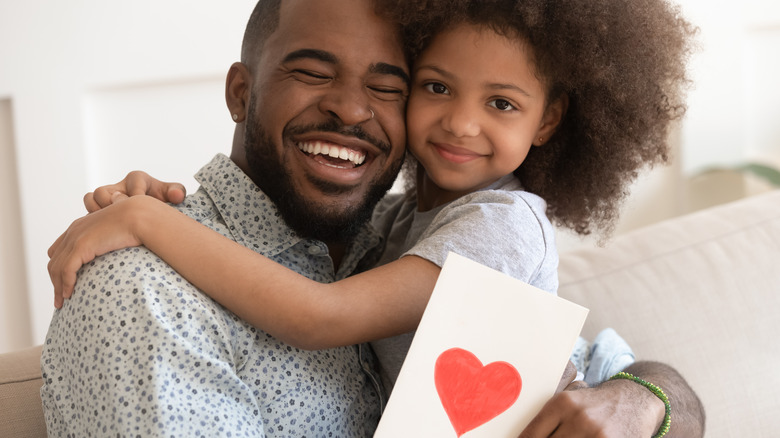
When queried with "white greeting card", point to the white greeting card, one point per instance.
{"points": [[488, 353]]}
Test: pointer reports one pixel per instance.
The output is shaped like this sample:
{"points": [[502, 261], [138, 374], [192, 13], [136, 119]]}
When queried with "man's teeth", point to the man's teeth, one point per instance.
{"points": [[332, 150]]}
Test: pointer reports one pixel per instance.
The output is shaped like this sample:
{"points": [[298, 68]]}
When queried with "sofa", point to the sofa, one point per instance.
{"points": [[699, 292], [21, 414]]}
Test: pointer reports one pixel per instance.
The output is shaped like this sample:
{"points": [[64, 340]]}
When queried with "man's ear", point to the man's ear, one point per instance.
{"points": [[553, 115], [237, 86]]}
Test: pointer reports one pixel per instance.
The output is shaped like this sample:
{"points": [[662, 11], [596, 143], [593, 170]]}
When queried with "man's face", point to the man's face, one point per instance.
{"points": [[325, 129]]}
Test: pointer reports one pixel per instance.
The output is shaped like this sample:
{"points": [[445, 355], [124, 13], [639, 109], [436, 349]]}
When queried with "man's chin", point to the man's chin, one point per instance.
{"points": [[329, 193], [330, 211], [329, 222]]}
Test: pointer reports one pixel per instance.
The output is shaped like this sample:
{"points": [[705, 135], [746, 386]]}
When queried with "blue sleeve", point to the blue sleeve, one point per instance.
{"points": [[608, 355]]}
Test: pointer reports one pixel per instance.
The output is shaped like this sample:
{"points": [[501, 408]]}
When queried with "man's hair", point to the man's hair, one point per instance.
{"points": [[265, 20], [622, 64], [262, 23]]}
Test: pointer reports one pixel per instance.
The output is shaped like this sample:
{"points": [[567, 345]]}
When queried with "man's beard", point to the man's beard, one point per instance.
{"points": [[311, 219]]}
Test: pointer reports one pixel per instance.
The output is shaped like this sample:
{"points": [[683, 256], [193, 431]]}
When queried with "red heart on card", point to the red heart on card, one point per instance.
{"points": [[473, 394]]}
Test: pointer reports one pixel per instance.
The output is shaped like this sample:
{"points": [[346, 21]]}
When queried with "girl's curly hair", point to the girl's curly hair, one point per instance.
{"points": [[622, 64]]}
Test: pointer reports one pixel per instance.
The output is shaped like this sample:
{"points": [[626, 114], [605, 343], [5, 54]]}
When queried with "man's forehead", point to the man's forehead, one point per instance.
{"points": [[337, 30], [330, 12]]}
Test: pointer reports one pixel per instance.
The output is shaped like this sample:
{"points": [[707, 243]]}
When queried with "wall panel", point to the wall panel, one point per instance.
{"points": [[15, 328]]}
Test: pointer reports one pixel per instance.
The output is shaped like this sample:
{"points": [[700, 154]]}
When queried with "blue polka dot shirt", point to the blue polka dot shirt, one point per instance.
{"points": [[139, 351]]}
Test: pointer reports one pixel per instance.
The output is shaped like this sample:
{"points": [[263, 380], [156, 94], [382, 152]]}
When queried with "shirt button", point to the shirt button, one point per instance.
{"points": [[315, 250]]}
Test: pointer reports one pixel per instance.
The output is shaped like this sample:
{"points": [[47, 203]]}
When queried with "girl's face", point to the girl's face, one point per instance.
{"points": [[475, 109]]}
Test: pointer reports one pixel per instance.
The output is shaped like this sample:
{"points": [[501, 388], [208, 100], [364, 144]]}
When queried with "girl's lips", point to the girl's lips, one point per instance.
{"points": [[454, 153]]}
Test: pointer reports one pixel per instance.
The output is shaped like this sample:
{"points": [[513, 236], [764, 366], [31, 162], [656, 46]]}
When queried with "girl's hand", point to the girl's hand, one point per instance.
{"points": [[135, 183], [95, 234]]}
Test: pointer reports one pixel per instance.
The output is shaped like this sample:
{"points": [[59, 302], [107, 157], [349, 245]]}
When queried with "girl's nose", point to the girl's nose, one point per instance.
{"points": [[462, 120]]}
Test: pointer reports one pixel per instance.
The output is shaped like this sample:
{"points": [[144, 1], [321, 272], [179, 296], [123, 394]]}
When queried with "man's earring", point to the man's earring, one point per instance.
{"points": [[235, 117], [541, 139]]}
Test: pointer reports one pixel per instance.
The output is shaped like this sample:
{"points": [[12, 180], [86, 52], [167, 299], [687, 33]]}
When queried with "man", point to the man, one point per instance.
{"points": [[139, 351]]}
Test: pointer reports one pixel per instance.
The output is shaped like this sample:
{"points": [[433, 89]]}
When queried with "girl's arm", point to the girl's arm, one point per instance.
{"points": [[382, 302]]}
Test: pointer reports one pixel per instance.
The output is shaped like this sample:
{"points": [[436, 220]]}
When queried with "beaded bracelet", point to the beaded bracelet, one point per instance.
{"points": [[659, 393]]}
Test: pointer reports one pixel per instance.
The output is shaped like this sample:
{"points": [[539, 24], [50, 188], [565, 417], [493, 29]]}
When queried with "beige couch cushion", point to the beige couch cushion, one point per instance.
{"points": [[701, 293], [21, 414]]}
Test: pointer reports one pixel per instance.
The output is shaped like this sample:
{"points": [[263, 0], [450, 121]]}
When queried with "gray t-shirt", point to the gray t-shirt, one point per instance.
{"points": [[502, 227]]}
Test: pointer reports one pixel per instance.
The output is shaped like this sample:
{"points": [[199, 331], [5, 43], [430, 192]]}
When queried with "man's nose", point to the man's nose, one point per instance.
{"points": [[349, 102], [461, 120]]}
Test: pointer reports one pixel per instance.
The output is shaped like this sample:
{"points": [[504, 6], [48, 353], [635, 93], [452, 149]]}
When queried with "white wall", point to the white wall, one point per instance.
{"points": [[733, 115], [14, 303], [90, 89], [94, 89]]}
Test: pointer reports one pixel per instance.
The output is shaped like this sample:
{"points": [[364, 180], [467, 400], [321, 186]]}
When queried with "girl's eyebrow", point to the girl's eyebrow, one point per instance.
{"points": [[492, 86], [435, 69], [509, 87]]}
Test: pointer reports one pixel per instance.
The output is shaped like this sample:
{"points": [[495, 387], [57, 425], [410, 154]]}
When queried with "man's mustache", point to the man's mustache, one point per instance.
{"points": [[337, 127]]}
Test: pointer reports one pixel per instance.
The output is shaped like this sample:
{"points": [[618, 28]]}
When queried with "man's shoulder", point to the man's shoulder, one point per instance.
{"points": [[125, 270], [138, 265], [199, 206]]}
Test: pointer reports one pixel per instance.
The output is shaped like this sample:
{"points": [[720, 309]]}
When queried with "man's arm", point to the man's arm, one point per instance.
{"points": [[687, 411], [621, 408]]}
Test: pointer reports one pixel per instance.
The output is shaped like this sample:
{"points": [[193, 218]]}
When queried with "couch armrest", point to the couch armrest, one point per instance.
{"points": [[21, 412]]}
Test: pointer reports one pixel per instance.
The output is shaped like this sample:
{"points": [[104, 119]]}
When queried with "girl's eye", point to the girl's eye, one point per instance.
{"points": [[437, 88], [501, 104]]}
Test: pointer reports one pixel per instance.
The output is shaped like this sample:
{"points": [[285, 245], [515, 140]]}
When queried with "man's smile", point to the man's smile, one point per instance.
{"points": [[331, 154]]}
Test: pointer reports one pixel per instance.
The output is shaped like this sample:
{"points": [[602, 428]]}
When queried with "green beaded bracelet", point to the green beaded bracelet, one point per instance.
{"points": [[659, 393]]}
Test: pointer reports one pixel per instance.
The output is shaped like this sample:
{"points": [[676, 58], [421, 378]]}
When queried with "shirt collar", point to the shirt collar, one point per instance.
{"points": [[248, 213]]}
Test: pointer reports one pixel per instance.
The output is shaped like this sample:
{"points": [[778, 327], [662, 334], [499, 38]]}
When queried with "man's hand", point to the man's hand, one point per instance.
{"points": [[567, 380], [135, 183], [621, 408], [612, 409]]}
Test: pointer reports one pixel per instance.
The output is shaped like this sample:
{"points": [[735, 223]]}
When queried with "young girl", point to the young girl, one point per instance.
{"points": [[513, 103]]}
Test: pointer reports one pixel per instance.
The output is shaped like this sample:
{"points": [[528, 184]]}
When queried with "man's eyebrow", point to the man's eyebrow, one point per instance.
{"points": [[390, 69], [322, 55], [319, 55]]}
